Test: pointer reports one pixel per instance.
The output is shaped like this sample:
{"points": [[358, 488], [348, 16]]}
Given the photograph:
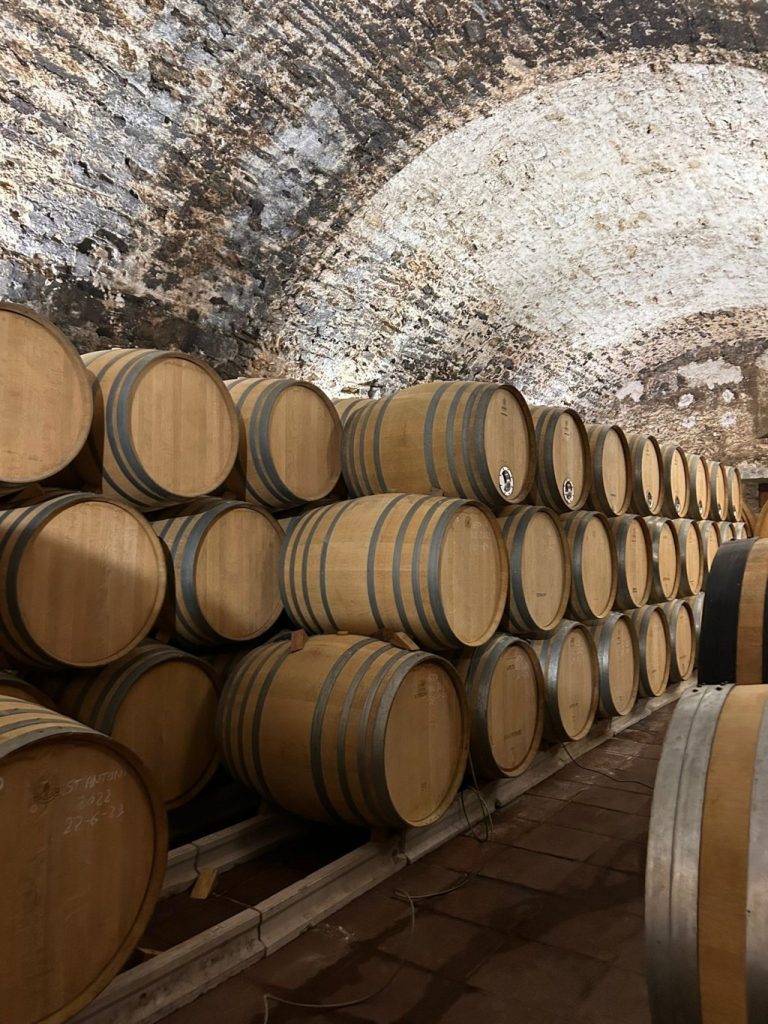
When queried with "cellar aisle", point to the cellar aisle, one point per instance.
{"points": [[548, 930]]}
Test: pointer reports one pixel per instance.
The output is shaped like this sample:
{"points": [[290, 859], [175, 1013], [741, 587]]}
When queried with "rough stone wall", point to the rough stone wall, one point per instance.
{"points": [[196, 174]]}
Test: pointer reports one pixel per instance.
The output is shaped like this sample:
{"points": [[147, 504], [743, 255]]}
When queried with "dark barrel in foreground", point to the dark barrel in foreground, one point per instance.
{"points": [[706, 901], [733, 646]]}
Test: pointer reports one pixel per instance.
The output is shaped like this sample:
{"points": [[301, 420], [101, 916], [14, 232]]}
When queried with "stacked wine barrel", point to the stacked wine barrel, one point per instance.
{"points": [[464, 574]]}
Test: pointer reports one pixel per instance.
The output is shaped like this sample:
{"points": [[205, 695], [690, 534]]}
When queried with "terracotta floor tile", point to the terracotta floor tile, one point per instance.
{"points": [[571, 843], [615, 799], [539, 975], [370, 916], [536, 807], [445, 944], [602, 821], [579, 926], [530, 869], [620, 997], [462, 854], [558, 788], [484, 901], [621, 855]]}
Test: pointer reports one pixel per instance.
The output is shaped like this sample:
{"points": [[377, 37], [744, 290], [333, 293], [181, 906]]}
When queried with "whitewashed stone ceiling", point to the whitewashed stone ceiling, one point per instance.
{"points": [[569, 195]]}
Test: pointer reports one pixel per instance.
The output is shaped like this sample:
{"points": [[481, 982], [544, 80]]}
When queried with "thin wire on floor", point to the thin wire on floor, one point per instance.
{"points": [[607, 775], [413, 902]]}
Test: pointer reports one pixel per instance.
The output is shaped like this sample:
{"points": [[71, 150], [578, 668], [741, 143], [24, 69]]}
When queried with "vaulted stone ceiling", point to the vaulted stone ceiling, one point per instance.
{"points": [[572, 196]]}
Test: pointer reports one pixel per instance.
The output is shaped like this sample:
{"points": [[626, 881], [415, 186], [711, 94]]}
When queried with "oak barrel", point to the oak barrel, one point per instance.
{"points": [[45, 398], [677, 488], [348, 407], [290, 442], [741, 531], [706, 910], [634, 561], [693, 562], [505, 691], [83, 578], [735, 493], [348, 729], [725, 531], [682, 635], [666, 559], [164, 427], [83, 849], [611, 486], [698, 487], [571, 681], [465, 439], [539, 570], [159, 702], [710, 536], [594, 569], [434, 568], [563, 459], [14, 686], [733, 645], [223, 558], [655, 649], [696, 604], [718, 491], [647, 475], [618, 659]]}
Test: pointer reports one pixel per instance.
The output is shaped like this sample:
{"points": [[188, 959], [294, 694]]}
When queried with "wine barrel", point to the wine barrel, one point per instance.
{"points": [[563, 459], [159, 702], [290, 442], [611, 484], [682, 635], [83, 579], [647, 475], [634, 561], [733, 645], [434, 568], [571, 681], [677, 488], [83, 848], [618, 659], [505, 691], [462, 438], [666, 559], [45, 398], [539, 570], [725, 531], [693, 562], [655, 649], [164, 428], [718, 491], [710, 537], [594, 568], [741, 531], [12, 685], [347, 407], [698, 487], [735, 493], [696, 604], [706, 912], [223, 558], [348, 729]]}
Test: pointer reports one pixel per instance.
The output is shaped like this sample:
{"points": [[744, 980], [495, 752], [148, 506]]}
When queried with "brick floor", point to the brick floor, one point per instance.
{"points": [[548, 930]]}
